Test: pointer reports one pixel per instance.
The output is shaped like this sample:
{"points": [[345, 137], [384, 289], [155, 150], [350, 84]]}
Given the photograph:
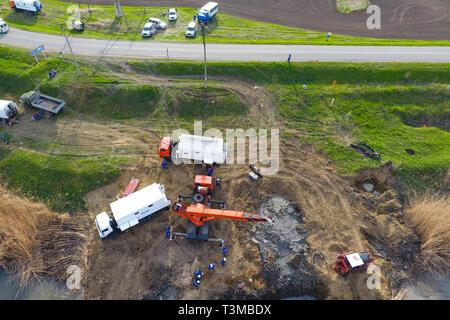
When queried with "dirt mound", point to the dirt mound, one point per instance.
{"points": [[401, 19]]}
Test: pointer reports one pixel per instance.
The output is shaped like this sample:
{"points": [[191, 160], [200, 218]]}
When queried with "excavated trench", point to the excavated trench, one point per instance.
{"points": [[287, 272]]}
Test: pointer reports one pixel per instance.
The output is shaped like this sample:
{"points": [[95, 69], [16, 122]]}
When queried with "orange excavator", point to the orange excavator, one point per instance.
{"points": [[199, 212]]}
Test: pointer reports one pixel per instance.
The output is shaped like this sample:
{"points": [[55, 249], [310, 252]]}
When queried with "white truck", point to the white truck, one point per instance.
{"points": [[201, 149], [158, 23], [46, 104], [208, 12], [191, 30], [33, 6], [149, 29], [173, 14], [3, 26], [132, 210], [8, 110]]}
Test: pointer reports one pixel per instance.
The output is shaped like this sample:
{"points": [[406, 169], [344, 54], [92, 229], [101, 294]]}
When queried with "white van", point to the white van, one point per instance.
{"points": [[191, 30], [173, 14], [149, 29], [3, 26]]}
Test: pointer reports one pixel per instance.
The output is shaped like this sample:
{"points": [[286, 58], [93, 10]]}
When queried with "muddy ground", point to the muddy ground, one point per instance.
{"points": [[401, 19], [316, 212], [318, 215]]}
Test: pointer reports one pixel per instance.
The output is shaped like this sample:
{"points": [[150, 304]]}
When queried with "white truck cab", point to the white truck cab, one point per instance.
{"points": [[132, 209], [8, 110], [173, 14], [3, 26], [149, 29], [191, 30], [33, 6]]}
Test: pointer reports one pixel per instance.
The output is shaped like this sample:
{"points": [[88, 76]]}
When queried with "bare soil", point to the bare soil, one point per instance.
{"points": [[320, 215], [401, 19]]}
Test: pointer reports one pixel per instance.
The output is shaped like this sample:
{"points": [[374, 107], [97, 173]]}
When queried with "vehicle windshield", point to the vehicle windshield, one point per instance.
{"points": [[146, 29], [172, 13], [190, 29]]}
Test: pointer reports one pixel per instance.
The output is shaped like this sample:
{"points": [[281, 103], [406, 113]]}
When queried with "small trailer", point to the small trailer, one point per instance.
{"points": [[198, 148], [132, 210], [49, 105]]}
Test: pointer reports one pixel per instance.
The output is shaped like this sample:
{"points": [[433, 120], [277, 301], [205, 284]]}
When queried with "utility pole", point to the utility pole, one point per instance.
{"points": [[204, 52], [70, 48]]}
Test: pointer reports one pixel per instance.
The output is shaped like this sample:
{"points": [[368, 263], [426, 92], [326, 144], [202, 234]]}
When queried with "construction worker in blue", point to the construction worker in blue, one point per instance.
{"points": [[211, 267], [198, 274], [224, 260], [196, 283], [218, 182], [224, 250], [210, 170], [167, 232], [164, 164]]}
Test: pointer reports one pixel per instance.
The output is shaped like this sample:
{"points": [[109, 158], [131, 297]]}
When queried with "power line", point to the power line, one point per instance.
{"points": [[70, 48]]}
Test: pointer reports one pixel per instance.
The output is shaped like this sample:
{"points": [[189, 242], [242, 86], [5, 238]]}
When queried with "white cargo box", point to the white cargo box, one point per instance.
{"points": [[203, 149], [129, 210], [355, 260]]}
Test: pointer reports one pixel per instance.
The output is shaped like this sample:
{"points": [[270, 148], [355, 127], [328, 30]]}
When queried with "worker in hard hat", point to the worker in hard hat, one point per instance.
{"points": [[218, 182], [224, 260], [198, 274], [212, 267], [224, 250], [241, 286], [210, 170], [164, 164], [196, 283]]}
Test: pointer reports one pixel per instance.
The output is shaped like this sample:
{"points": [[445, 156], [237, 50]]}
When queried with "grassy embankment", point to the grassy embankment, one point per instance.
{"points": [[373, 103], [60, 175], [101, 23]]}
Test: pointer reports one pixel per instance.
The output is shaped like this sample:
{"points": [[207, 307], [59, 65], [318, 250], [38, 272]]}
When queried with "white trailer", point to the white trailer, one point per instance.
{"points": [[132, 210], [201, 149]]}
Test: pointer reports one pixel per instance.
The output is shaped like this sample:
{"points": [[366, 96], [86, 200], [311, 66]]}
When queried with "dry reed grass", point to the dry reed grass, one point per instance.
{"points": [[36, 243], [430, 217]]}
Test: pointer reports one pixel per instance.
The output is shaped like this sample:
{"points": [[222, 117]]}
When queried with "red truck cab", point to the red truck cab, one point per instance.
{"points": [[203, 185], [165, 148]]}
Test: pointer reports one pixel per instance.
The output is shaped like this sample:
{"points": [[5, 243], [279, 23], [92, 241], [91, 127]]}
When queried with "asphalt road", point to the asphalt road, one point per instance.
{"points": [[225, 52]]}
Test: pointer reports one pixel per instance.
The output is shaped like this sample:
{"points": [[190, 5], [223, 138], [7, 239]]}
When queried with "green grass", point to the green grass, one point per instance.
{"points": [[59, 183], [373, 102], [101, 23], [382, 104], [347, 6], [192, 103], [307, 72], [371, 114]]}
